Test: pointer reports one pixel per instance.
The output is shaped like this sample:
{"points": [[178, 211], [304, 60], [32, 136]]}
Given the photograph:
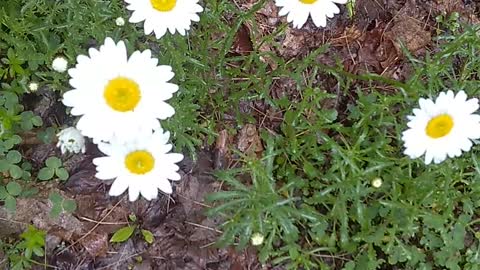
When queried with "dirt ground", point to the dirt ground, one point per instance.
{"points": [[184, 236]]}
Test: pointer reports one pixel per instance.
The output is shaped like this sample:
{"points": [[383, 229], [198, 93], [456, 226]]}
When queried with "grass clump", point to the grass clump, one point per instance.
{"points": [[315, 202]]}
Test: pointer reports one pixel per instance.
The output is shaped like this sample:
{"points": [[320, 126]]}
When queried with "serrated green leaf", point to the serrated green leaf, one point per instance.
{"points": [[45, 173], [14, 188], [38, 251], [122, 234], [148, 236]]}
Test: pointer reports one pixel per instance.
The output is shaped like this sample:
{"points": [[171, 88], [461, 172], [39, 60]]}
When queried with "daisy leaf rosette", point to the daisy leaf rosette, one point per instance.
{"points": [[143, 166], [442, 128], [162, 15], [298, 11], [119, 96]]}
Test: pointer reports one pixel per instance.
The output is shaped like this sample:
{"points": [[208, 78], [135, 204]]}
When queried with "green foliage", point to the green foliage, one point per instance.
{"points": [[125, 233], [60, 204], [450, 22], [9, 193], [148, 236], [21, 254], [317, 172], [122, 234], [53, 168]]}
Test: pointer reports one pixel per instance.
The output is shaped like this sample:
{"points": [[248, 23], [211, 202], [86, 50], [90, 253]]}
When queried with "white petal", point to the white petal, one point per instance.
{"points": [[118, 187]]}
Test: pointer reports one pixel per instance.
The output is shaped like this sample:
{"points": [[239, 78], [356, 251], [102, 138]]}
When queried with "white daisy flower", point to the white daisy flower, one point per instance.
{"points": [[119, 21], [299, 10], [160, 15], [60, 64], [142, 166], [443, 128], [119, 96], [71, 140]]}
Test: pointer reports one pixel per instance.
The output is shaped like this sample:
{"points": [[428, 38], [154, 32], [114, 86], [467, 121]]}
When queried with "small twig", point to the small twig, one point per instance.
{"points": [[203, 227], [14, 221], [207, 245], [102, 223], [92, 229], [194, 201], [120, 260]]}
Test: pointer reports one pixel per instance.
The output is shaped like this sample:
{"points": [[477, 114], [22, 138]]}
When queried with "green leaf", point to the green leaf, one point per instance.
{"points": [[55, 198], [148, 236], [47, 135], [62, 173], [37, 121], [14, 157], [30, 192], [45, 173], [69, 206], [3, 193], [10, 203], [4, 165], [38, 251], [15, 171], [14, 188], [122, 234], [53, 162], [56, 210]]}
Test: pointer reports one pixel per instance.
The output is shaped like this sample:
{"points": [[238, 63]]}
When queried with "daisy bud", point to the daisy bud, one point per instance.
{"points": [[257, 239], [32, 87], [120, 21], [71, 140], [377, 182], [60, 64]]}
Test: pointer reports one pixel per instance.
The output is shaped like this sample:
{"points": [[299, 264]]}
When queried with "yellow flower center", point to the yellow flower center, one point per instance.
{"points": [[139, 162], [122, 94], [308, 2], [164, 5], [439, 126]]}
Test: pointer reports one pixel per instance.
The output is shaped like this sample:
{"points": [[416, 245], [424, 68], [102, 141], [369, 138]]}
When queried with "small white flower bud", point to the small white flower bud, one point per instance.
{"points": [[60, 64], [71, 140], [257, 239], [377, 182], [32, 87], [120, 21]]}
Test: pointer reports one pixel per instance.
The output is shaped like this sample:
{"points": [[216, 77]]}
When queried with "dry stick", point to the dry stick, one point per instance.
{"points": [[194, 201], [203, 227], [14, 221], [120, 260], [92, 229], [102, 223]]}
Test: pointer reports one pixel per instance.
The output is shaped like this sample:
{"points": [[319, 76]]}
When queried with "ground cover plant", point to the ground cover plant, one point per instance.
{"points": [[345, 141]]}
